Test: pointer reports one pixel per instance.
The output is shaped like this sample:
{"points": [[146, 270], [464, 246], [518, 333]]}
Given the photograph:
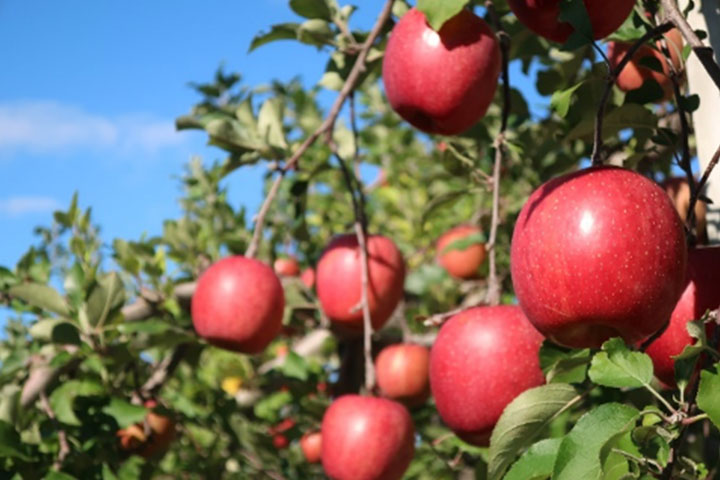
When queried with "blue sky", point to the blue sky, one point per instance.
{"points": [[89, 92]]}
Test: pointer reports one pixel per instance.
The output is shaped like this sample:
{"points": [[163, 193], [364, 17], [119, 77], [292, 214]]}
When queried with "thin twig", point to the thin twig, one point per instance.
{"points": [[440, 318], [704, 179], [64, 449]]}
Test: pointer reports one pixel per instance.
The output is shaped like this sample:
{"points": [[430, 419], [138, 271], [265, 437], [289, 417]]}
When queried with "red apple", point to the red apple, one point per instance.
{"points": [[402, 373], [635, 73], [441, 82], [280, 441], [366, 438], [307, 277], [311, 446], [465, 263], [161, 429], [287, 267], [238, 305], [541, 16], [339, 280], [598, 253], [482, 359], [702, 293]]}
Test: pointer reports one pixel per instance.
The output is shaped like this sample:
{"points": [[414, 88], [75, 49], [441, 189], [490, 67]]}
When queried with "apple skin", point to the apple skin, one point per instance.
{"points": [[339, 280], [462, 264], [635, 74], [307, 277], [366, 438], [702, 293], [541, 16], [679, 191], [238, 305], [402, 373], [286, 267], [441, 82], [311, 446], [598, 253], [482, 359]]}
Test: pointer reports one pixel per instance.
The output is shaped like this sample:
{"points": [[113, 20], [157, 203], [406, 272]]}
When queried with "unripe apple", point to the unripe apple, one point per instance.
{"points": [[311, 446], [541, 16], [598, 253], [482, 359], [635, 73], [238, 305], [402, 373], [366, 438], [307, 277], [339, 280], [702, 293], [441, 82], [286, 267], [679, 191], [464, 263]]}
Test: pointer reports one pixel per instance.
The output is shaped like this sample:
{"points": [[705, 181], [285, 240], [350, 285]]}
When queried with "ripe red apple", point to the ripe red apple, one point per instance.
{"points": [[311, 446], [635, 73], [679, 191], [339, 280], [598, 253], [366, 438], [441, 82], [307, 277], [402, 373], [461, 263], [162, 433], [541, 16], [238, 305], [702, 293], [482, 359], [286, 267], [280, 441]]}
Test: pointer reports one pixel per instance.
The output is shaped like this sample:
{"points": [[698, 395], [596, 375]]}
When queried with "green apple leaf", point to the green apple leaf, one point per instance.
{"points": [[10, 444], [708, 394], [523, 420], [311, 9], [437, 12], [575, 13], [560, 101], [537, 462], [562, 365], [124, 412], [107, 295], [63, 398], [282, 31], [619, 367], [41, 296]]}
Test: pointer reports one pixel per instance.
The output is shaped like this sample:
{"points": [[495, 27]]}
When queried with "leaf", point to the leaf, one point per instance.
{"points": [[523, 420], [630, 115], [124, 412], [107, 295], [465, 242], [10, 443], [63, 397], [708, 394], [575, 13], [56, 330], [9, 402], [619, 367], [311, 9], [579, 453], [55, 475], [269, 407], [315, 32], [150, 327], [270, 123], [295, 366], [437, 12], [41, 296], [537, 462], [560, 101], [445, 199], [562, 365], [282, 31]]}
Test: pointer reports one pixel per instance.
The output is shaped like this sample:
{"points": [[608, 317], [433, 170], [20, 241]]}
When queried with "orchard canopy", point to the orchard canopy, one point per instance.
{"points": [[446, 279]]}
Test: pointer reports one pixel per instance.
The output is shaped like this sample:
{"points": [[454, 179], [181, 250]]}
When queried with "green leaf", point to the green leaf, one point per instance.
{"points": [[107, 295], [630, 115], [63, 397], [575, 13], [708, 394], [55, 475], [41, 296], [315, 32], [56, 330], [9, 402], [465, 242], [562, 365], [282, 31], [537, 462], [523, 420], [269, 407], [437, 12], [443, 200], [124, 412], [295, 366], [579, 453], [619, 367], [270, 123], [311, 9], [10, 443], [150, 327], [560, 101]]}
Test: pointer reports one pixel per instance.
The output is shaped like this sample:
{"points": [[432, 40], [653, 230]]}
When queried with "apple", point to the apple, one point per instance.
{"points": [[238, 305], [311, 446], [541, 16], [402, 373], [702, 293], [441, 82], [307, 277], [598, 253], [463, 264], [162, 433], [286, 267], [366, 438], [635, 73], [280, 441], [339, 280], [679, 191], [482, 359]]}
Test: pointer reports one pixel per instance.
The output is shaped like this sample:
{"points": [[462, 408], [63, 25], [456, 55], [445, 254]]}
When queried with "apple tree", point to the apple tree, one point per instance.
{"points": [[368, 322]]}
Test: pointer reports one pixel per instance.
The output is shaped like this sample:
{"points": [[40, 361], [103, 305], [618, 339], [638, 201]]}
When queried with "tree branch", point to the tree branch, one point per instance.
{"points": [[64, 449]]}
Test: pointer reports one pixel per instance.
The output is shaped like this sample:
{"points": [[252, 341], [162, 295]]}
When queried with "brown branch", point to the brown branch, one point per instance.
{"points": [[440, 318], [611, 79], [64, 449], [704, 179], [367, 321]]}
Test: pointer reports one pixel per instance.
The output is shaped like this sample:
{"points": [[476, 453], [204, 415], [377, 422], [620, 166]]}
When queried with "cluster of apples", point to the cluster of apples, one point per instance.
{"points": [[595, 254]]}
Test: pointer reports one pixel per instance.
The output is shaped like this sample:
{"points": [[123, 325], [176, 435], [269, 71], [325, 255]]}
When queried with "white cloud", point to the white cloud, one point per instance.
{"points": [[20, 205], [46, 127]]}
